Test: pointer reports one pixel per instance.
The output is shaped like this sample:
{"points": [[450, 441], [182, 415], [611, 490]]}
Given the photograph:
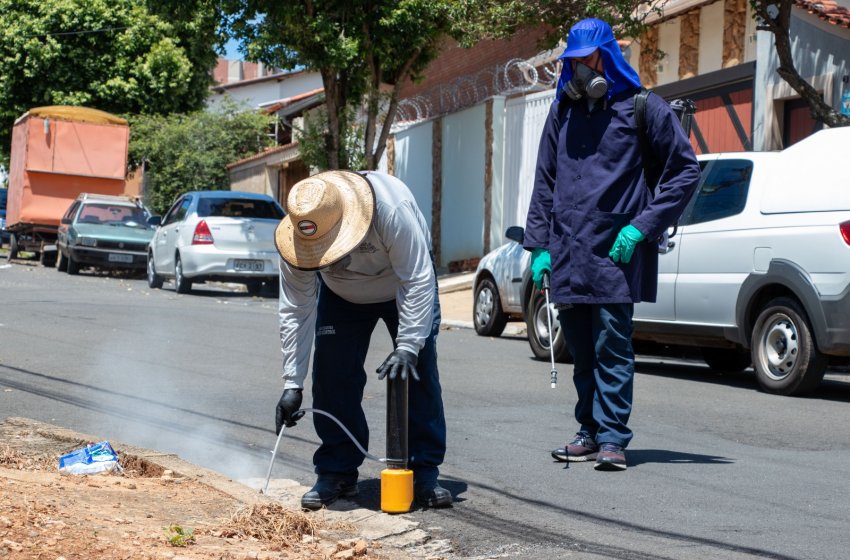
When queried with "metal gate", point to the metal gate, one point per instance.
{"points": [[524, 120]]}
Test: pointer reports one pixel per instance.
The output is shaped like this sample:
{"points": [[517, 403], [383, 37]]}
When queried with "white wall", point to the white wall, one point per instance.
{"points": [[462, 216], [413, 163], [264, 91], [668, 41], [711, 38]]}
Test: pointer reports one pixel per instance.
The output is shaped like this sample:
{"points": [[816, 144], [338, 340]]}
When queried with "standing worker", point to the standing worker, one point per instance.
{"points": [[355, 249], [593, 224]]}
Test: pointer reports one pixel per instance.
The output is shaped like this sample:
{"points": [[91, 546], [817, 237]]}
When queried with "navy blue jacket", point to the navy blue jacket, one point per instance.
{"points": [[589, 184]]}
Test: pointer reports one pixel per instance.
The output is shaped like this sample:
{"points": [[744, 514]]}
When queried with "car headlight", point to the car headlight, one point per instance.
{"points": [[87, 241]]}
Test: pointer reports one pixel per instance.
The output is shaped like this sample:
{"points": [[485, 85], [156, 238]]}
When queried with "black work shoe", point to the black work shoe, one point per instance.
{"points": [[326, 491], [431, 494], [582, 448], [611, 457]]}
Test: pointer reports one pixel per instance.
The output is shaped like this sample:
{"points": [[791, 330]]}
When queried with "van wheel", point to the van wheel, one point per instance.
{"points": [[785, 357], [537, 324], [182, 284], [728, 360], [154, 279], [487, 315]]}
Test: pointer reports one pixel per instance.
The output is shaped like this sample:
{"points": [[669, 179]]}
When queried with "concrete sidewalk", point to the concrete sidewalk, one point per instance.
{"points": [[457, 302]]}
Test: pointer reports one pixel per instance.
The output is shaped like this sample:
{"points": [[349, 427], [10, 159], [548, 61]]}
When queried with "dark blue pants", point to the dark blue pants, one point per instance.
{"points": [[599, 336], [343, 333]]}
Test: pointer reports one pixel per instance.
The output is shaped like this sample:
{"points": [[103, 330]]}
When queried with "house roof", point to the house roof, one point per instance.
{"points": [[289, 101], [827, 10], [274, 77], [264, 154]]}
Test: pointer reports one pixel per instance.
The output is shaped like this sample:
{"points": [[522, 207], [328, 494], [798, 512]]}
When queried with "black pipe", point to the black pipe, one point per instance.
{"points": [[397, 423]]}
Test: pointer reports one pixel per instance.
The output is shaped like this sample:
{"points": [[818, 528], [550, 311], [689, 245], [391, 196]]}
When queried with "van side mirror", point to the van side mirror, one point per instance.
{"points": [[515, 233], [155, 221]]}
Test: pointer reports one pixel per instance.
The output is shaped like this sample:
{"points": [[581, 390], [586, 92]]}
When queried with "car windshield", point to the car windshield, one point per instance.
{"points": [[239, 208], [113, 214]]}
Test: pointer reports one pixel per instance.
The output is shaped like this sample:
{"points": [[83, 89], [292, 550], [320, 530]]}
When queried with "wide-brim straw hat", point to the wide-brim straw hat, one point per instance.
{"points": [[328, 216]]}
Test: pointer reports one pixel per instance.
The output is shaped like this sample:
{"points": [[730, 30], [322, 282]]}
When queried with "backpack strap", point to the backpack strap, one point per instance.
{"points": [[648, 158]]}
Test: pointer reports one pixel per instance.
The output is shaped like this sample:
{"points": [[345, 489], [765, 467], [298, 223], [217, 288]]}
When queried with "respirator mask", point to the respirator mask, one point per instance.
{"points": [[586, 81]]}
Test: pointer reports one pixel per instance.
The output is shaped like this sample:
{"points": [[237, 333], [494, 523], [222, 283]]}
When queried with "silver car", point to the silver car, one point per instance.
{"points": [[216, 235]]}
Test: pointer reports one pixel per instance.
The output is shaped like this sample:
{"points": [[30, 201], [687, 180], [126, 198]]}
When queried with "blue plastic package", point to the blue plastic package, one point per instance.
{"points": [[91, 459]]}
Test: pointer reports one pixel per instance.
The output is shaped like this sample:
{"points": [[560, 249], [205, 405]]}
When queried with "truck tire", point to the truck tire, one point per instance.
{"points": [[785, 357], [181, 284], [487, 315], [62, 262], [537, 325], [13, 247], [728, 360], [154, 279]]}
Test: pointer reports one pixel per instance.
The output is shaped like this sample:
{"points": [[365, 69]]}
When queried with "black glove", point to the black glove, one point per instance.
{"points": [[287, 409], [401, 363]]}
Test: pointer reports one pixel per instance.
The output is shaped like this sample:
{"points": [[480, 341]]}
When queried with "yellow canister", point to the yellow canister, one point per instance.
{"points": [[396, 490]]}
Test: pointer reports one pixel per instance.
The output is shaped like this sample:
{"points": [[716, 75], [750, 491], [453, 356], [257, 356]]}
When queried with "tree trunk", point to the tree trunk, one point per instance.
{"points": [[332, 104], [780, 27]]}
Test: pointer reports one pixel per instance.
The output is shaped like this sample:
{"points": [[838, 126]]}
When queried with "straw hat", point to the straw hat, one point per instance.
{"points": [[328, 216]]}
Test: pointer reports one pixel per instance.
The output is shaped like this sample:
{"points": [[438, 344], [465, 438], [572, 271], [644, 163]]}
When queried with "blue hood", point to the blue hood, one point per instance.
{"points": [[585, 37]]}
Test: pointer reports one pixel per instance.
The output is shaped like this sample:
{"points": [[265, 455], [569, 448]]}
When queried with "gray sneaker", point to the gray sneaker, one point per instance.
{"points": [[611, 457], [582, 448]]}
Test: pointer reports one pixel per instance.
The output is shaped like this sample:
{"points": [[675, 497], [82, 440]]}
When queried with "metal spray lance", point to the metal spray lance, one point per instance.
{"points": [[553, 376]]}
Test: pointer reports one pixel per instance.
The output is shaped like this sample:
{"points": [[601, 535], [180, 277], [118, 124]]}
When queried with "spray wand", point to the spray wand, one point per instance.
{"points": [[553, 376]]}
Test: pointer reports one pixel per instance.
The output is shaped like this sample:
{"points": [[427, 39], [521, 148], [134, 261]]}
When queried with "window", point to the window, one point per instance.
{"points": [[178, 211], [722, 192], [239, 208]]}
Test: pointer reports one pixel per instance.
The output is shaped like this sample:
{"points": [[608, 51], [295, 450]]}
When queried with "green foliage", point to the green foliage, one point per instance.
{"points": [[114, 55], [312, 143], [178, 536], [185, 152]]}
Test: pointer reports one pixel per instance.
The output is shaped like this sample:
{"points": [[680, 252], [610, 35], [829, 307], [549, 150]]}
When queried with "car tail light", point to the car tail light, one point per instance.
{"points": [[845, 231], [202, 235]]}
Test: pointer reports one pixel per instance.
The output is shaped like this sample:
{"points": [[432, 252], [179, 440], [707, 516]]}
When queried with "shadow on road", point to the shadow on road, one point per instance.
{"points": [[641, 456]]}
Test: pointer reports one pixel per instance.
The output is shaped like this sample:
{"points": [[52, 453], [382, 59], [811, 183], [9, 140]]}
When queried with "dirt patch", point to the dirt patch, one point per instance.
{"points": [[146, 512]]}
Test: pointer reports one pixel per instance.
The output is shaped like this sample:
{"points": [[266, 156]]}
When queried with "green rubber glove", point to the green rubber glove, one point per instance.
{"points": [[624, 245], [541, 261]]}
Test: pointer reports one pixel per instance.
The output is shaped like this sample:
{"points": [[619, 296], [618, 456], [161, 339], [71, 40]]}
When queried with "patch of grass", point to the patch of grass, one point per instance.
{"points": [[178, 536], [270, 523]]}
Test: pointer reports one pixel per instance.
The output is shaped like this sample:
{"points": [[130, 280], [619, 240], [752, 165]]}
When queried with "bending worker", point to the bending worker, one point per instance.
{"points": [[593, 222], [356, 249]]}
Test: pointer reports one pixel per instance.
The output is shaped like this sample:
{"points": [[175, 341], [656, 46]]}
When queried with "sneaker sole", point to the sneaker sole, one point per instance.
{"points": [[574, 458], [608, 466]]}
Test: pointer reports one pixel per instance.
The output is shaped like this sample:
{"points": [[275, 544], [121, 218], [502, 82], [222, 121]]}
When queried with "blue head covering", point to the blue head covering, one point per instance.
{"points": [[585, 37]]}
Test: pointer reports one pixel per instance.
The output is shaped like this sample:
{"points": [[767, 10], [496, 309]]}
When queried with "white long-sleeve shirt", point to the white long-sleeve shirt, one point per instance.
{"points": [[392, 262]]}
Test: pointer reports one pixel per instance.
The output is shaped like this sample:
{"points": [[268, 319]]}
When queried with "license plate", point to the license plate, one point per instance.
{"points": [[118, 257], [244, 264]]}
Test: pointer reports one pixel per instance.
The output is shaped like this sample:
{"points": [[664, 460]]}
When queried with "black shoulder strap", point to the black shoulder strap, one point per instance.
{"points": [[645, 150]]}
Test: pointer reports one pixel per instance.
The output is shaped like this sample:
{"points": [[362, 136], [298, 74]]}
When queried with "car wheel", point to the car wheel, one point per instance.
{"points": [[487, 314], [62, 262], [537, 323], [182, 284], [154, 279], [726, 359], [13, 247], [785, 357], [73, 266]]}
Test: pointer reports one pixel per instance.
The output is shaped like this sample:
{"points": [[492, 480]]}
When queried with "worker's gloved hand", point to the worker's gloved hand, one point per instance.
{"points": [[400, 363], [287, 409], [541, 261], [624, 245]]}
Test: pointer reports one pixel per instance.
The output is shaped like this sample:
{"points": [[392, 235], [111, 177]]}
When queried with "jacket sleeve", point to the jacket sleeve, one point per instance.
{"points": [[540, 206], [680, 172], [410, 258], [297, 315]]}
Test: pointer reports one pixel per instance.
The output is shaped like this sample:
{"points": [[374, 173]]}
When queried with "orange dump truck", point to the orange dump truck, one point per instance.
{"points": [[59, 152]]}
